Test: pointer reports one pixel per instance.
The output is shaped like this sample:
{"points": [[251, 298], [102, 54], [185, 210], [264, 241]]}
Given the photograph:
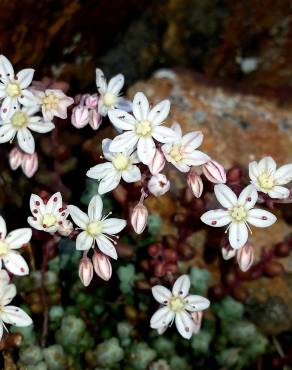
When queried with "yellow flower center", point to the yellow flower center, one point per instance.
{"points": [[175, 153], [266, 181], [50, 101], [49, 220], [13, 89], [143, 128], [94, 228], [238, 213], [109, 100], [176, 304], [3, 248], [19, 119], [120, 162]]}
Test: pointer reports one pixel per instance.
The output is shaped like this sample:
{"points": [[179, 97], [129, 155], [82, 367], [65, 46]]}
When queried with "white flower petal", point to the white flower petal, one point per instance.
{"points": [[99, 171], [9, 105], [163, 134], [7, 293], [3, 229], [225, 195], [132, 174], [238, 235], [34, 223], [248, 197], [121, 119], [261, 218], [16, 264], [4, 278], [177, 129], [216, 218], [41, 127], [161, 318], [268, 165], [100, 81], [196, 303], [159, 112], [36, 204], [124, 104], [116, 84], [196, 158], [106, 246], [283, 174], [84, 241], [253, 171], [146, 149], [161, 294], [184, 324], [279, 192], [7, 132], [140, 106], [109, 182], [24, 77], [15, 316], [27, 99], [182, 286], [54, 203], [95, 208], [113, 225], [192, 140], [26, 140], [105, 149], [6, 69], [17, 238], [125, 141], [79, 217]]}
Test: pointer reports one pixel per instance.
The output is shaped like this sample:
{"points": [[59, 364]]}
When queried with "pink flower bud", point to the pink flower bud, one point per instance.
{"points": [[197, 320], [66, 228], [80, 116], [95, 119], [158, 162], [29, 164], [91, 101], [158, 184], [102, 266], [245, 256], [214, 172], [195, 183], [85, 271], [15, 158], [139, 218], [228, 252]]}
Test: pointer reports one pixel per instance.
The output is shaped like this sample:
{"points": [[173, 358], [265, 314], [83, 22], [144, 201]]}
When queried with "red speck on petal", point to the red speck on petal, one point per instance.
{"points": [[4, 110], [264, 218], [55, 199], [60, 222], [60, 209], [63, 214], [16, 77], [249, 199], [22, 269], [37, 203], [35, 218], [214, 222], [44, 226], [187, 329], [35, 211]]}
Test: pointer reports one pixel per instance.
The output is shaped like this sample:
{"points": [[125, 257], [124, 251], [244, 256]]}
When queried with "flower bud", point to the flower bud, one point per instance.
{"points": [[102, 266], [139, 218], [214, 172], [95, 119], [195, 183], [197, 320], [228, 252], [80, 116], [91, 101], [85, 271], [29, 164], [245, 257], [66, 228], [158, 185], [158, 162], [15, 158]]}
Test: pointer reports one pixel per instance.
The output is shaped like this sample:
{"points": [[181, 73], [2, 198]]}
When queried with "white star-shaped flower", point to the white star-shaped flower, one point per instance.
{"points": [[13, 88], [53, 103], [109, 93], [19, 123], [96, 229], [120, 165], [49, 216], [141, 128], [182, 152], [268, 179], [178, 306], [237, 213], [9, 243], [10, 314]]}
